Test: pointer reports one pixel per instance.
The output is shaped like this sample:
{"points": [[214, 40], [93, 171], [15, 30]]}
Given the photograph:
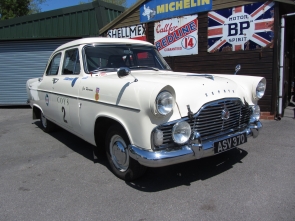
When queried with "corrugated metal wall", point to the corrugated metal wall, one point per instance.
{"points": [[72, 24], [20, 61], [76, 21]]}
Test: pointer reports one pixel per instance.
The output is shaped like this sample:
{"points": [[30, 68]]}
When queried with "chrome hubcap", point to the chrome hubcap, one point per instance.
{"points": [[43, 120], [119, 153]]}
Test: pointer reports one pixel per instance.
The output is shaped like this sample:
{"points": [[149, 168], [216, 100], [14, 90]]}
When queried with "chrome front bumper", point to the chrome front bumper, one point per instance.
{"points": [[194, 150]]}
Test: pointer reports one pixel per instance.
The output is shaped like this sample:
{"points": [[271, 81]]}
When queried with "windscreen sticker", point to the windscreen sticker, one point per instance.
{"points": [[101, 74]]}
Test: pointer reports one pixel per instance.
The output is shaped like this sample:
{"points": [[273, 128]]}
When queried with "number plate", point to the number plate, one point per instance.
{"points": [[229, 143]]}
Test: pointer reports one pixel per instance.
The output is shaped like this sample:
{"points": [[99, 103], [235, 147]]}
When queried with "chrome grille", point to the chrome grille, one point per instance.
{"points": [[208, 122]]}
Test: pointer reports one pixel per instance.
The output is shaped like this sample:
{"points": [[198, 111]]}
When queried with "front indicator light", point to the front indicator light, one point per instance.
{"points": [[255, 113], [158, 137]]}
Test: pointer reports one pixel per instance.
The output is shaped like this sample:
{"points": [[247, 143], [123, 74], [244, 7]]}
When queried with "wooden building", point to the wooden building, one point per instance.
{"points": [[274, 60]]}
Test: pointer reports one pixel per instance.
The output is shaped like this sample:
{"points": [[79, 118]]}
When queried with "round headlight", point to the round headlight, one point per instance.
{"points": [[260, 89], [181, 132], [164, 103]]}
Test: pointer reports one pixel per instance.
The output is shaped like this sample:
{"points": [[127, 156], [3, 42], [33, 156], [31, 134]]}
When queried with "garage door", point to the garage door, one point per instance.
{"points": [[20, 61]]}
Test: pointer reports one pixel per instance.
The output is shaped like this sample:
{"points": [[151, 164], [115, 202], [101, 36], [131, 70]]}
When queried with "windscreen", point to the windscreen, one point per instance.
{"points": [[110, 58]]}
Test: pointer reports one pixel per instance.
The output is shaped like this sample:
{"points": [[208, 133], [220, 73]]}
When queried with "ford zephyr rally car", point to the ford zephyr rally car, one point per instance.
{"points": [[121, 95]]}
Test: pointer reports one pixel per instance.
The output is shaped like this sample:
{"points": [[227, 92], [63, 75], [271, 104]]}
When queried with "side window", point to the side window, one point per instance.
{"points": [[54, 65], [71, 63]]}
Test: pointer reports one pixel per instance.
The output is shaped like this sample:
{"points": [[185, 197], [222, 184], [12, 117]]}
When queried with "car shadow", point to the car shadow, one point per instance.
{"points": [[77, 144], [158, 179]]}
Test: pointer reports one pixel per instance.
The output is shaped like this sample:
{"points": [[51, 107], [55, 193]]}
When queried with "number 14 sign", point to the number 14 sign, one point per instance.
{"points": [[177, 36]]}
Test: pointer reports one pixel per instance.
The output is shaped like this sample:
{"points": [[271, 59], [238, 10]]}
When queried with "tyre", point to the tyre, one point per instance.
{"points": [[121, 164], [46, 124]]}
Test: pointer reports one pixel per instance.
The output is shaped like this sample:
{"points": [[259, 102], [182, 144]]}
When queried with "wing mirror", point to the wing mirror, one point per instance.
{"points": [[238, 67], [124, 72]]}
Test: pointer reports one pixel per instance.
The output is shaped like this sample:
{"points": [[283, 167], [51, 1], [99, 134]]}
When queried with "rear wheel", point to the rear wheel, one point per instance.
{"points": [[46, 124], [122, 165]]}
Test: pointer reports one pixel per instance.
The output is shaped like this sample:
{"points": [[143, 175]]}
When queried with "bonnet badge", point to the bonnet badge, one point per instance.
{"points": [[225, 114]]}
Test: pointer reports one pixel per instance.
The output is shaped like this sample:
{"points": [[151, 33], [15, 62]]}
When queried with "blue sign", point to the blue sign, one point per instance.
{"points": [[155, 10]]}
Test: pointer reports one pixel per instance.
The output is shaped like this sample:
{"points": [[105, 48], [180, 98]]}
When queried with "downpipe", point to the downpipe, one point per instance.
{"points": [[282, 52]]}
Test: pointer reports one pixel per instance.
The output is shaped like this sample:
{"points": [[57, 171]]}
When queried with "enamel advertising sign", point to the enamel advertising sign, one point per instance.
{"points": [[155, 10], [177, 36], [245, 27], [133, 32]]}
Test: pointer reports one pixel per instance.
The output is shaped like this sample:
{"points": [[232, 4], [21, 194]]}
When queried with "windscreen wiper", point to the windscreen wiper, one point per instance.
{"points": [[144, 67], [103, 69]]}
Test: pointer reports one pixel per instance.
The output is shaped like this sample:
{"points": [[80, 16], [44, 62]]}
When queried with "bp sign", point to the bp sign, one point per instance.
{"points": [[241, 28]]}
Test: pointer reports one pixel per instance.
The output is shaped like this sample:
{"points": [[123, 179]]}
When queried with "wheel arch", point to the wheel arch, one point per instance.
{"points": [[36, 112], [101, 126]]}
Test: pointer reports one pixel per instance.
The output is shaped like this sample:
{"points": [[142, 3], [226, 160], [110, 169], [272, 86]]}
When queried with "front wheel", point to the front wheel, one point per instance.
{"points": [[47, 125], [122, 165]]}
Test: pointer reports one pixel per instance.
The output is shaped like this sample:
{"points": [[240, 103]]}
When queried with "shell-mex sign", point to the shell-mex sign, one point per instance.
{"points": [[133, 32]]}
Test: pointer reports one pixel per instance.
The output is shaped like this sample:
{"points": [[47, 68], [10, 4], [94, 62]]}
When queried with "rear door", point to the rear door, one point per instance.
{"points": [[46, 89], [66, 90]]}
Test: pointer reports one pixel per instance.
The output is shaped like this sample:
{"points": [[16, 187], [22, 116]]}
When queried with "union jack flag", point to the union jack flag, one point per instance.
{"points": [[241, 28]]}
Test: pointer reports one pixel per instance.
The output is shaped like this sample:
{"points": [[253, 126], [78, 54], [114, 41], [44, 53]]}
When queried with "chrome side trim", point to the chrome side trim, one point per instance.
{"points": [[191, 151], [89, 100]]}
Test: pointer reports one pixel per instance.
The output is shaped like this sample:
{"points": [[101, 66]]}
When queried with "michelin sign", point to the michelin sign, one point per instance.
{"points": [[156, 10]]}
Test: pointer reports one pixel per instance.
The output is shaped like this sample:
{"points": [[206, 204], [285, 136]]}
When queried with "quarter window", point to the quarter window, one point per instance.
{"points": [[54, 65], [71, 62]]}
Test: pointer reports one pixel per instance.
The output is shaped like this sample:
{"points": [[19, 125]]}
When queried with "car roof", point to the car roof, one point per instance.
{"points": [[101, 40]]}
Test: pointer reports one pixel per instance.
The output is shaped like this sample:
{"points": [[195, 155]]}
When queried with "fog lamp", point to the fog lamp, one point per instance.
{"points": [[181, 132]]}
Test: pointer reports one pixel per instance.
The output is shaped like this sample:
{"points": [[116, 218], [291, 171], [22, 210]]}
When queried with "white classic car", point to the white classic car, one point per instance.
{"points": [[121, 95]]}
